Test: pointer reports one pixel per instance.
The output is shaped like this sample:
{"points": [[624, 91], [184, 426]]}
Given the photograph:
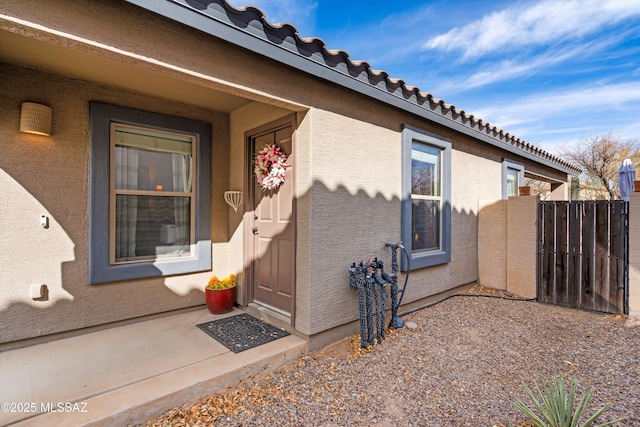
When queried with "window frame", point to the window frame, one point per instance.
{"points": [[510, 164], [410, 136], [101, 270], [115, 192]]}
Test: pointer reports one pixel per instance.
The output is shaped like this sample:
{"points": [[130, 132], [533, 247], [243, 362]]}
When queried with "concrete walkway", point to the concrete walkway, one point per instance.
{"points": [[127, 374]]}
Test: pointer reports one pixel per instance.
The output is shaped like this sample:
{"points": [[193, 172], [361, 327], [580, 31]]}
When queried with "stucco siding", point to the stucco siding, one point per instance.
{"points": [[492, 244], [522, 246], [348, 167], [303, 303], [507, 245], [355, 210], [49, 175]]}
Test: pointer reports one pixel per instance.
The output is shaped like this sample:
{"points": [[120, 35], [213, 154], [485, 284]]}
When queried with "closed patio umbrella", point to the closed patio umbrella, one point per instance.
{"points": [[626, 176]]}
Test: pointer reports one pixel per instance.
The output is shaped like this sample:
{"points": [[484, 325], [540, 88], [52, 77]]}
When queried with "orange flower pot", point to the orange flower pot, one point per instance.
{"points": [[524, 191], [220, 301]]}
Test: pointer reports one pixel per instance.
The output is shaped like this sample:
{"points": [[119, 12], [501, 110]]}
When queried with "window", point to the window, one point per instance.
{"points": [[426, 206], [426, 197], [149, 201], [512, 182], [152, 199], [512, 178]]}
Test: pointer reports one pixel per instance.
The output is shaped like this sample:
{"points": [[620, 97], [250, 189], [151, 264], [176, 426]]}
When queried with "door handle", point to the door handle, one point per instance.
{"points": [[254, 229]]}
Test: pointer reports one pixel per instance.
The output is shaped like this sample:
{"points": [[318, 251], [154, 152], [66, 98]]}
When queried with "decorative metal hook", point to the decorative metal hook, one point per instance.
{"points": [[233, 199]]}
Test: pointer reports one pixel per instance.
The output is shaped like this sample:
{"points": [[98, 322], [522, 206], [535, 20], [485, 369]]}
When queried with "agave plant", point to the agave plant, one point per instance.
{"points": [[556, 405]]}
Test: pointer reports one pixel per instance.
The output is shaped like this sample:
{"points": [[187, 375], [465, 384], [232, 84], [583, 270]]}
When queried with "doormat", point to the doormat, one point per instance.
{"points": [[241, 332]]}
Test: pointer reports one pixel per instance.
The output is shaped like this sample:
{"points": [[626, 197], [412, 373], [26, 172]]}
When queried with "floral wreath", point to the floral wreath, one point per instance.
{"points": [[270, 167]]}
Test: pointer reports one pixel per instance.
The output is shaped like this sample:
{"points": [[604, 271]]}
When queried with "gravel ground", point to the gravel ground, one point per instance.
{"points": [[462, 366]]}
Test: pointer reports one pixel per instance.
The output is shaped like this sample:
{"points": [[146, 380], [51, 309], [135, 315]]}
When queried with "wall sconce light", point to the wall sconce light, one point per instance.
{"points": [[233, 199], [35, 118]]}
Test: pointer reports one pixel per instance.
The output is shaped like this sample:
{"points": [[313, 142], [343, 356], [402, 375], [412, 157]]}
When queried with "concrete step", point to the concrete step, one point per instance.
{"points": [[128, 374]]}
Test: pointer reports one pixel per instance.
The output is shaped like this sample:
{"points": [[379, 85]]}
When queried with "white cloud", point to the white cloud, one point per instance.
{"points": [[631, 131], [542, 23], [590, 99], [512, 68]]}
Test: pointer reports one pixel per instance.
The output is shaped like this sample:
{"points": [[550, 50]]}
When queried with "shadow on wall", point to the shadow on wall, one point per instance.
{"points": [[52, 259], [336, 224], [335, 227], [49, 176]]}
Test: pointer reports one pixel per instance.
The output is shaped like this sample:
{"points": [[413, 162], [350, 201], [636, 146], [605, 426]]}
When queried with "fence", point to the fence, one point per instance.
{"points": [[583, 254]]}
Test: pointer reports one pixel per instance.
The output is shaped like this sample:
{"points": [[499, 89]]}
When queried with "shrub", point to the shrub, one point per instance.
{"points": [[556, 405]]}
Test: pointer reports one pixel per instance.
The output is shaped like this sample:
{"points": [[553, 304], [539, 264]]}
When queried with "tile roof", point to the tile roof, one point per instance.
{"points": [[336, 65]]}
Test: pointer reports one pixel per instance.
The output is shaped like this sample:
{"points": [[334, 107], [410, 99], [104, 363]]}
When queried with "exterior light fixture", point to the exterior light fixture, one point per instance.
{"points": [[35, 119]]}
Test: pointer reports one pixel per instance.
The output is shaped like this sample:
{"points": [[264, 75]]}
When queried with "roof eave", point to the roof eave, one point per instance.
{"points": [[215, 22]]}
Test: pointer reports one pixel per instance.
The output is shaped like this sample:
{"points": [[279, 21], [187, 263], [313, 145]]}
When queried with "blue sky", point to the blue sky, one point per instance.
{"points": [[549, 71]]}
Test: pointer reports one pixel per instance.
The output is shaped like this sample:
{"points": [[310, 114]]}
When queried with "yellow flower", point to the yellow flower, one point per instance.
{"points": [[228, 282]]}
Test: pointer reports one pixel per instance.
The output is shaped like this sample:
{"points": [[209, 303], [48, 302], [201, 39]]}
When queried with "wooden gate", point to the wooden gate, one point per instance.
{"points": [[583, 257]]}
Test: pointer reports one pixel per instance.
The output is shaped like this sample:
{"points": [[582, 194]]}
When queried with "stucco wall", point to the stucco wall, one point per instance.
{"points": [[522, 247], [49, 175], [347, 181], [507, 245], [492, 244], [355, 210]]}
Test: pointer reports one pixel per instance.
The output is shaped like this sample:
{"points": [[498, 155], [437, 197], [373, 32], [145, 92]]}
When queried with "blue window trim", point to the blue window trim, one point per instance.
{"points": [[506, 165], [100, 270], [442, 256]]}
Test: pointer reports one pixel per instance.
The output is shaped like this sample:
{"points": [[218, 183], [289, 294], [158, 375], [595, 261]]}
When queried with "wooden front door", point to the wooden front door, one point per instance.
{"points": [[273, 229]]}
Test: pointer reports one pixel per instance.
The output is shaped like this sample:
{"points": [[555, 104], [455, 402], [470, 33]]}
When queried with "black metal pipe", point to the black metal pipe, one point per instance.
{"points": [[370, 280], [358, 281], [397, 322], [406, 277], [368, 291]]}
